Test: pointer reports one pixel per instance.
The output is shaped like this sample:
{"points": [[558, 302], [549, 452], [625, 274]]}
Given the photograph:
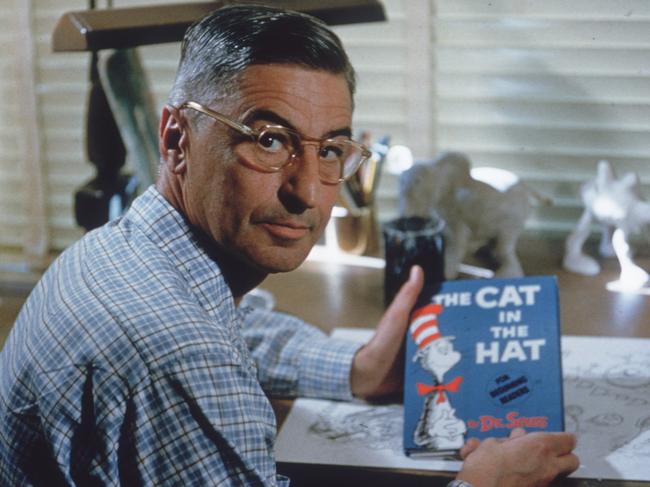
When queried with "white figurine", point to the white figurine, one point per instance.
{"points": [[616, 204], [438, 426], [482, 208]]}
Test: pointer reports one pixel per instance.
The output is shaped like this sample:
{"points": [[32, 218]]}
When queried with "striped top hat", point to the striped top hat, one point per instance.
{"points": [[424, 324]]}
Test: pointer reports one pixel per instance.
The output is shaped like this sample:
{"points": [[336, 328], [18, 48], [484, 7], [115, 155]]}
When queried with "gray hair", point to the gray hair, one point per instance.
{"points": [[217, 49]]}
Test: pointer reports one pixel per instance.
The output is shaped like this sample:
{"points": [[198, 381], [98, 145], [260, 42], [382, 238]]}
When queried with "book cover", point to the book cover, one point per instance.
{"points": [[482, 358]]}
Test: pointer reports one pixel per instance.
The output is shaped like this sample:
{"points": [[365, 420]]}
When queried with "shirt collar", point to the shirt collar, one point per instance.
{"points": [[167, 227]]}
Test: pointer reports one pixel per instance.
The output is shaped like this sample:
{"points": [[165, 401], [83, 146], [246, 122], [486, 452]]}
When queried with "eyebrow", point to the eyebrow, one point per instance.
{"points": [[270, 116]]}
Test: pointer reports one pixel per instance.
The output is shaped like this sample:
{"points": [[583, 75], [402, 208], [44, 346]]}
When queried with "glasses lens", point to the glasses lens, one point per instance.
{"points": [[351, 157], [332, 155], [274, 146]]}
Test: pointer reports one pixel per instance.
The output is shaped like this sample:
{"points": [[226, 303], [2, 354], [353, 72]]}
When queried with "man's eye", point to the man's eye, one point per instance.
{"points": [[272, 142], [332, 153]]}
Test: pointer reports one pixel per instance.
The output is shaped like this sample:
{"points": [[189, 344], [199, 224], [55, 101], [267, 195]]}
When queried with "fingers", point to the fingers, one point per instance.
{"points": [[566, 442], [568, 464], [517, 432], [522, 459], [559, 443], [561, 446], [470, 445]]}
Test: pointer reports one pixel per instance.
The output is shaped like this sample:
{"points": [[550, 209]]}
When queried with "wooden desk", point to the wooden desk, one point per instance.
{"points": [[330, 295]]}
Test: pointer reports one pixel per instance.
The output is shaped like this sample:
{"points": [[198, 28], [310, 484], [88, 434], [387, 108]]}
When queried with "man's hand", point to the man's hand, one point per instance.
{"points": [[523, 459], [377, 368]]}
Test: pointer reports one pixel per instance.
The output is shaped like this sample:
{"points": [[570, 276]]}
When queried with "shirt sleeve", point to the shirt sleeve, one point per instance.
{"points": [[210, 423], [297, 359], [200, 419]]}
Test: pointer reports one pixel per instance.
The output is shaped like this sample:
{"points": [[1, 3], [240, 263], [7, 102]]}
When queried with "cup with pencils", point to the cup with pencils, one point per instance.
{"points": [[354, 216]]}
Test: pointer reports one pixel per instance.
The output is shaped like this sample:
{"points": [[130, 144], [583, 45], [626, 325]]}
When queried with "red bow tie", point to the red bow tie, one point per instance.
{"points": [[441, 388]]}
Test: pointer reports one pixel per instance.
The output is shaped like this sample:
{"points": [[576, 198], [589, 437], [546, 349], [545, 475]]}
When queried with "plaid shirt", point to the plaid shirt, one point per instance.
{"points": [[130, 365]]}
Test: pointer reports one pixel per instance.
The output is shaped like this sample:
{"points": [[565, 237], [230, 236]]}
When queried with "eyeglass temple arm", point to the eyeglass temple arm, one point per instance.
{"points": [[244, 129]]}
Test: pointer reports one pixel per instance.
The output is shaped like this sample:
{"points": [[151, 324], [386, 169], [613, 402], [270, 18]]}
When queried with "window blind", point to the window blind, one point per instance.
{"points": [[12, 207], [544, 88]]}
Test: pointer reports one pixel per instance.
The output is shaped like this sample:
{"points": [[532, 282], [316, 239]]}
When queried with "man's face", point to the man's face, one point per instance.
{"points": [[268, 220]]}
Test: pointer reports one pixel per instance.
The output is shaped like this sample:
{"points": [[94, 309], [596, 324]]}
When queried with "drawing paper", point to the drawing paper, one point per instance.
{"points": [[607, 405]]}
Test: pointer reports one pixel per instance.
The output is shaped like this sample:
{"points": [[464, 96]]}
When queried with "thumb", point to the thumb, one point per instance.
{"points": [[405, 299], [377, 367], [392, 327]]}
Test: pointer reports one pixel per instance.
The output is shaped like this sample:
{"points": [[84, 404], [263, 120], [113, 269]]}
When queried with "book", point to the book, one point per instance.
{"points": [[482, 358]]}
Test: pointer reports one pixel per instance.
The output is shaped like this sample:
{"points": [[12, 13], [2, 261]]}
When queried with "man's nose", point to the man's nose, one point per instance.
{"points": [[303, 176]]}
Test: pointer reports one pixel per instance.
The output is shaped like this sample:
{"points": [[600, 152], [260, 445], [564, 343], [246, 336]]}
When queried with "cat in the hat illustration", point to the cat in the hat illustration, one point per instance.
{"points": [[438, 426]]}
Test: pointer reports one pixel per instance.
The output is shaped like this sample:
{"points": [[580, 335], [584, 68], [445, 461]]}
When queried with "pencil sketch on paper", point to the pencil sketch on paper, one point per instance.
{"points": [[373, 427], [607, 405]]}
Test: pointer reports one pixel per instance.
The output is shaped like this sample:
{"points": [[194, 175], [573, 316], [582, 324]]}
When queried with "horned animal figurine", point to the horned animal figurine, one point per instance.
{"points": [[617, 205], [480, 210]]}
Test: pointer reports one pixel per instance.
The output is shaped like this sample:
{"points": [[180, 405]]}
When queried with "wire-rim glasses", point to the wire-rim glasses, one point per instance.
{"points": [[273, 147]]}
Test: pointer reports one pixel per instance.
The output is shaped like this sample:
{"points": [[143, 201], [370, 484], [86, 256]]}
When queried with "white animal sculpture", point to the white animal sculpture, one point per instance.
{"points": [[482, 207], [616, 204]]}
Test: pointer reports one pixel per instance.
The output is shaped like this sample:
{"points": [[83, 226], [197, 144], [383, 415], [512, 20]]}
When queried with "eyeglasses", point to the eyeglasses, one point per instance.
{"points": [[273, 147]]}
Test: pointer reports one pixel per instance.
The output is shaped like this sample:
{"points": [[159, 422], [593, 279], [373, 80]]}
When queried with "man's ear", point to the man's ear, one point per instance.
{"points": [[172, 140]]}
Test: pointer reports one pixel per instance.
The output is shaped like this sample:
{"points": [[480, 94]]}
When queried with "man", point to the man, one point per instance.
{"points": [[131, 364]]}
